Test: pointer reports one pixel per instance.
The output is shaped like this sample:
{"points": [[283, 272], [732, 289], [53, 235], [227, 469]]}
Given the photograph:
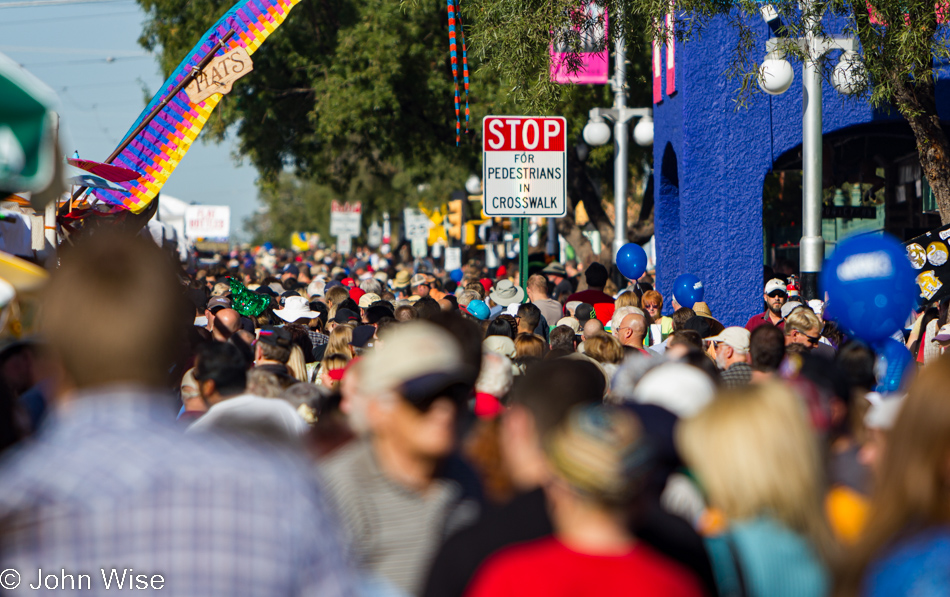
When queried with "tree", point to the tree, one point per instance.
{"points": [[353, 101], [903, 45]]}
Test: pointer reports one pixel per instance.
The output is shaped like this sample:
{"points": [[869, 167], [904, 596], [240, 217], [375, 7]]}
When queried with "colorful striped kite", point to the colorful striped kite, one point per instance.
{"points": [[157, 150]]}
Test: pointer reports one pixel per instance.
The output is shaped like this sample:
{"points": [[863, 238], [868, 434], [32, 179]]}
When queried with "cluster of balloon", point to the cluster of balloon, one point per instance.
{"points": [[870, 287], [688, 290], [631, 260]]}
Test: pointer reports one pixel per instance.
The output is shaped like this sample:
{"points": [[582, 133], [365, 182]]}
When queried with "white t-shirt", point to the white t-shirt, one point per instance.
{"points": [[252, 413]]}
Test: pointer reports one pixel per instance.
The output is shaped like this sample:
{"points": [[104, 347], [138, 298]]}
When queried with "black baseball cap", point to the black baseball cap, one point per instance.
{"points": [[276, 336]]}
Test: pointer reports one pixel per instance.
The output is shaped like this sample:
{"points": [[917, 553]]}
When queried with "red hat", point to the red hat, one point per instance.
{"points": [[356, 292], [486, 284], [348, 282], [502, 271]]}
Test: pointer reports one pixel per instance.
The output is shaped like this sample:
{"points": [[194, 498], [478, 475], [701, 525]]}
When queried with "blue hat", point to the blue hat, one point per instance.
{"points": [[479, 310]]}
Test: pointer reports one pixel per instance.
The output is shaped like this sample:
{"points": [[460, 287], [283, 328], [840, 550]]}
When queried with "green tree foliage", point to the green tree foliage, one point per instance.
{"points": [[903, 46], [354, 101]]}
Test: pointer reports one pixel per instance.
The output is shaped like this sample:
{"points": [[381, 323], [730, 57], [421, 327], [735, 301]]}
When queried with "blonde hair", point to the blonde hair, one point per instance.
{"points": [[803, 320], [297, 364], [330, 362], [340, 338], [627, 299], [755, 455], [604, 349]]}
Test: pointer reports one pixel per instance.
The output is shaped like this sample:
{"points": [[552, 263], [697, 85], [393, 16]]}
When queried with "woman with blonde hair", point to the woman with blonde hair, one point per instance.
{"points": [[905, 547], [339, 342], [757, 460], [627, 298]]}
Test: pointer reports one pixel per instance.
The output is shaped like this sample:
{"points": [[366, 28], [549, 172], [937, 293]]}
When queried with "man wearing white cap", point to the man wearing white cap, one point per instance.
{"points": [[775, 296], [732, 356]]}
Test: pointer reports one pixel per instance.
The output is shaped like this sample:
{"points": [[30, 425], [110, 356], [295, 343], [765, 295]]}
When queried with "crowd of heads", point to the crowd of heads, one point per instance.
{"points": [[472, 389]]}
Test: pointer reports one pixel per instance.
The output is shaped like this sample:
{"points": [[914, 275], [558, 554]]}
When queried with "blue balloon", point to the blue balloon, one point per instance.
{"points": [[688, 290], [456, 275], [632, 261], [894, 366], [870, 286]]}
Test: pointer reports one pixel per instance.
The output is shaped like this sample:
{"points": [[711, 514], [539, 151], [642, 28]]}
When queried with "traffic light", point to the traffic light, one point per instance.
{"points": [[456, 218]]}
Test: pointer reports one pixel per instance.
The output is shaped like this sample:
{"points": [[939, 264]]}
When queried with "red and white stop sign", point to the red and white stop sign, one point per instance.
{"points": [[524, 166]]}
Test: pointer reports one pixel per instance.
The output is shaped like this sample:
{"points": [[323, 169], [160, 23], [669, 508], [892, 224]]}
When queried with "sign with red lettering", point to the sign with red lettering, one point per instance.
{"points": [[524, 166], [207, 222]]}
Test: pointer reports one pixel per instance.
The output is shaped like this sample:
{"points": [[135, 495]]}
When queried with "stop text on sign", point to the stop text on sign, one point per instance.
{"points": [[524, 166]]}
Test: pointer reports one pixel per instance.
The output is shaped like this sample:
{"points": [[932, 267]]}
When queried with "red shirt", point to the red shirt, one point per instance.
{"points": [[761, 319], [602, 302], [548, 567]]}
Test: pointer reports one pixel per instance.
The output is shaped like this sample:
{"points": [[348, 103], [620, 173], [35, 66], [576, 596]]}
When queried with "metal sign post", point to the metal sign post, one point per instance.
{"points": [[523, 254]]}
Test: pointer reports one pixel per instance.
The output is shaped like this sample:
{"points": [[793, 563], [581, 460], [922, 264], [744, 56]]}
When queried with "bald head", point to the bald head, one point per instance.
{"points": [[592, 328], [633, 328], [226, 322]]}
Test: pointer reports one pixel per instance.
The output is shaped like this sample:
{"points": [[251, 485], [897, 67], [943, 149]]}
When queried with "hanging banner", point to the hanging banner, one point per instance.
{"points": [[157, 150], [593, 62], [928, 254]]}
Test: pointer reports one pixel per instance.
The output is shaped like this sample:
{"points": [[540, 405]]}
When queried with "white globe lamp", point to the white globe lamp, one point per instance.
{"points": [[849, 76], [643, 132], [596, 132], [776, 76]]}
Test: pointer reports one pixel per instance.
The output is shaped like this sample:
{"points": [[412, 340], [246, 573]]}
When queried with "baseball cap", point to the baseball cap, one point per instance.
{"points": [[218, 303], [345, 316], [221, 289], [419, 360], [570, 322], [775, 284], [275, 336], [292, 269], [479, 310], [734, 336], [356, 293], [362, 334], [790, 306], [368, 299]]}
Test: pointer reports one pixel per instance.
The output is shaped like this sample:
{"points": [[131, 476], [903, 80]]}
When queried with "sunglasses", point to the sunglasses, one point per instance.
{"points": [[811, 339], [778, 293], [651, 306], [422, 400]]}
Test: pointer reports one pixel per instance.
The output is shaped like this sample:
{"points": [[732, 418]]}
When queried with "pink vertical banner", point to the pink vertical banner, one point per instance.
{"points": [[670, 55], [594, 64], [657, 71]]}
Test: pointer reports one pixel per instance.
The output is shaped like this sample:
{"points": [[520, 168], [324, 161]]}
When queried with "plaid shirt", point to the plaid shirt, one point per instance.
{"points": [[111, 483], [317, 339]]}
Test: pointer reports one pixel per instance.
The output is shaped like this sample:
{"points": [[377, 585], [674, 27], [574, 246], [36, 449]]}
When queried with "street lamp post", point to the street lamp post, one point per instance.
{"points": [[596, 132], [775, 77]]}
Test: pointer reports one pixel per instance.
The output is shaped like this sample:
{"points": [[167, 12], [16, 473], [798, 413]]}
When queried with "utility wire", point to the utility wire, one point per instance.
{"points": [[32, 3]]}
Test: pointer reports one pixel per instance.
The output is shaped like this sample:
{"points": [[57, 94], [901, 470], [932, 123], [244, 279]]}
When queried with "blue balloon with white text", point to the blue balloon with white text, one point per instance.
{"points": [[870, 286], [688, 290]]}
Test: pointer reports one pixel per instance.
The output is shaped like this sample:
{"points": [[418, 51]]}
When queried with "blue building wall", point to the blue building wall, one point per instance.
{"points": [[710, 162]]}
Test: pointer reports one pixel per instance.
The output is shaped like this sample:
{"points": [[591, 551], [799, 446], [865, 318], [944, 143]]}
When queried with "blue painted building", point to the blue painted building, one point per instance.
{"points": [[711, 160]]}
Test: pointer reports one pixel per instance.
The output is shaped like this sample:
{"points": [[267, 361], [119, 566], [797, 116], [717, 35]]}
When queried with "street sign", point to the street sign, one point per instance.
{"points": [[417, 223], [524, 166], [207, 222], [374, 235], [345, 218]]}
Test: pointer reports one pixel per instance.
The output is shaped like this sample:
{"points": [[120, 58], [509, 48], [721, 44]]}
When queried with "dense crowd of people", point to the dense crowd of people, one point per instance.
{"points": [[277, 423]]}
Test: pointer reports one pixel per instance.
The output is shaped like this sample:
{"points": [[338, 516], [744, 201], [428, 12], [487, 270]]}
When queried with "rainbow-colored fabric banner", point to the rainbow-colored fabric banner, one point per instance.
{"points": [[157, 150]]}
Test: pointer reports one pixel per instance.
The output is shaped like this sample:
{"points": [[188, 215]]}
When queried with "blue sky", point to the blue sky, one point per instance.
{"points": [[88, 54]]}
